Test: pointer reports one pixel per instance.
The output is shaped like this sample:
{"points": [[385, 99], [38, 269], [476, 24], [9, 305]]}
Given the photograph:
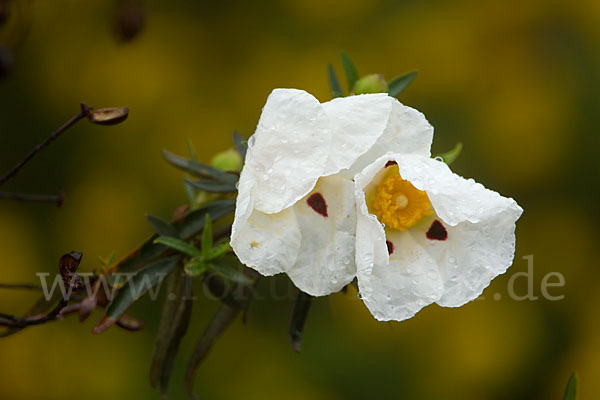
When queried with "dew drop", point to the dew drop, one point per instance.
{"points": [[438, 158], [284, 140], [265, 177], [270, 171], [251, 142]]}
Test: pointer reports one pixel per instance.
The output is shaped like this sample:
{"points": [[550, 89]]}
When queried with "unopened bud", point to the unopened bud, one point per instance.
{"points": [[229, 160], [371, 84]]}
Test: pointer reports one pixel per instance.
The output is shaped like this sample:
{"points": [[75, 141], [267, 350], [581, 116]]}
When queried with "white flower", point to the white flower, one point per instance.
{"points": [[425, 235], [296, 207]]}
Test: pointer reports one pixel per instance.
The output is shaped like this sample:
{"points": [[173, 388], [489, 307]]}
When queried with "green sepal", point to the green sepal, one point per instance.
{"points": [[398, 84]]}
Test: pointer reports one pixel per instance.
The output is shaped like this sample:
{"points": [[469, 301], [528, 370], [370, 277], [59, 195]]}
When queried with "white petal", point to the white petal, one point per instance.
{"points": [[454, 198], [370, 235], [358, 121], [407, 132], [326, 258], [288, 151], [317, 252], [393, 287], [480, 245], [399, 289], [269, 243], [480, 225]]}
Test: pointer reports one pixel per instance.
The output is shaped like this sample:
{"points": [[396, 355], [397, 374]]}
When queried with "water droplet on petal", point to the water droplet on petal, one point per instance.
{"points": [[438, 158], [251, 142], [265, 177], [270, 171]]}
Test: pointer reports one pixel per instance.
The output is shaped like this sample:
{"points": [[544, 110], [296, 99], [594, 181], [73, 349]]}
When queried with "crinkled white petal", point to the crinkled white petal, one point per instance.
{"points": [[407, 132], [392, 287], [454, 198], [358, 121], [269, 243], [480, 225], [289, 150], [480, 244], [325, 261], [316, 252], [397, 290]]}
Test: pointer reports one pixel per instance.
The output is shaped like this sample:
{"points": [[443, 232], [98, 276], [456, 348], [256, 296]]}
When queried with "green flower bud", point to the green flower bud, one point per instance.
{"points": [[229, 160], [371, 84]]}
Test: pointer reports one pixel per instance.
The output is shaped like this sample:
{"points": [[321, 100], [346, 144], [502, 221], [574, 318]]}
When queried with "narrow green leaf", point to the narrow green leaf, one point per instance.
{"points": [[207, 238], [192, 224], [195, 220], [350, 69], [161, 227], [240, 144], [214, 186], [299, 315], [192, 151], [220, 321], [228, 271], [145, 279], [218, 250], [224, 316], [334, 83], [571, 391], [190, 192], [174, 322], [199, 170], [398, 84], [450, 156], [179, 245]]}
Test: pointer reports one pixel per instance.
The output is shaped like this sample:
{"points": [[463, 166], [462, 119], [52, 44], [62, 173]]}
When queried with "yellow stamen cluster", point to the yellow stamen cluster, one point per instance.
{"points": [[398, 204]]}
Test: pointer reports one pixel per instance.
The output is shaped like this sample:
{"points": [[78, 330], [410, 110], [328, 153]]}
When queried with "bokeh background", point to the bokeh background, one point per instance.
{"points": [[516, 81]]}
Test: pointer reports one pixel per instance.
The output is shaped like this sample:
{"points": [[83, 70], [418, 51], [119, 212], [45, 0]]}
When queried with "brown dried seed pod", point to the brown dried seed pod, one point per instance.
{"points": [[109, 116]]}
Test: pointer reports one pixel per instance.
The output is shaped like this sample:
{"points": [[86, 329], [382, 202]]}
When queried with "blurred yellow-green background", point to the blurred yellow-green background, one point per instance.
{"points": [[516, 81]]}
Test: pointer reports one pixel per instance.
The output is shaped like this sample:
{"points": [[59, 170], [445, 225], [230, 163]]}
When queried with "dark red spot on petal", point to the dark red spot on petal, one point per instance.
{"points": [[390, 246], [390, 163], [316, 201], [437, 231]]}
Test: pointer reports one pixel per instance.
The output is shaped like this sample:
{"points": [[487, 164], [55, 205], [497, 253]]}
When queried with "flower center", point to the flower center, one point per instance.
{"points": [[398, 204]]}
